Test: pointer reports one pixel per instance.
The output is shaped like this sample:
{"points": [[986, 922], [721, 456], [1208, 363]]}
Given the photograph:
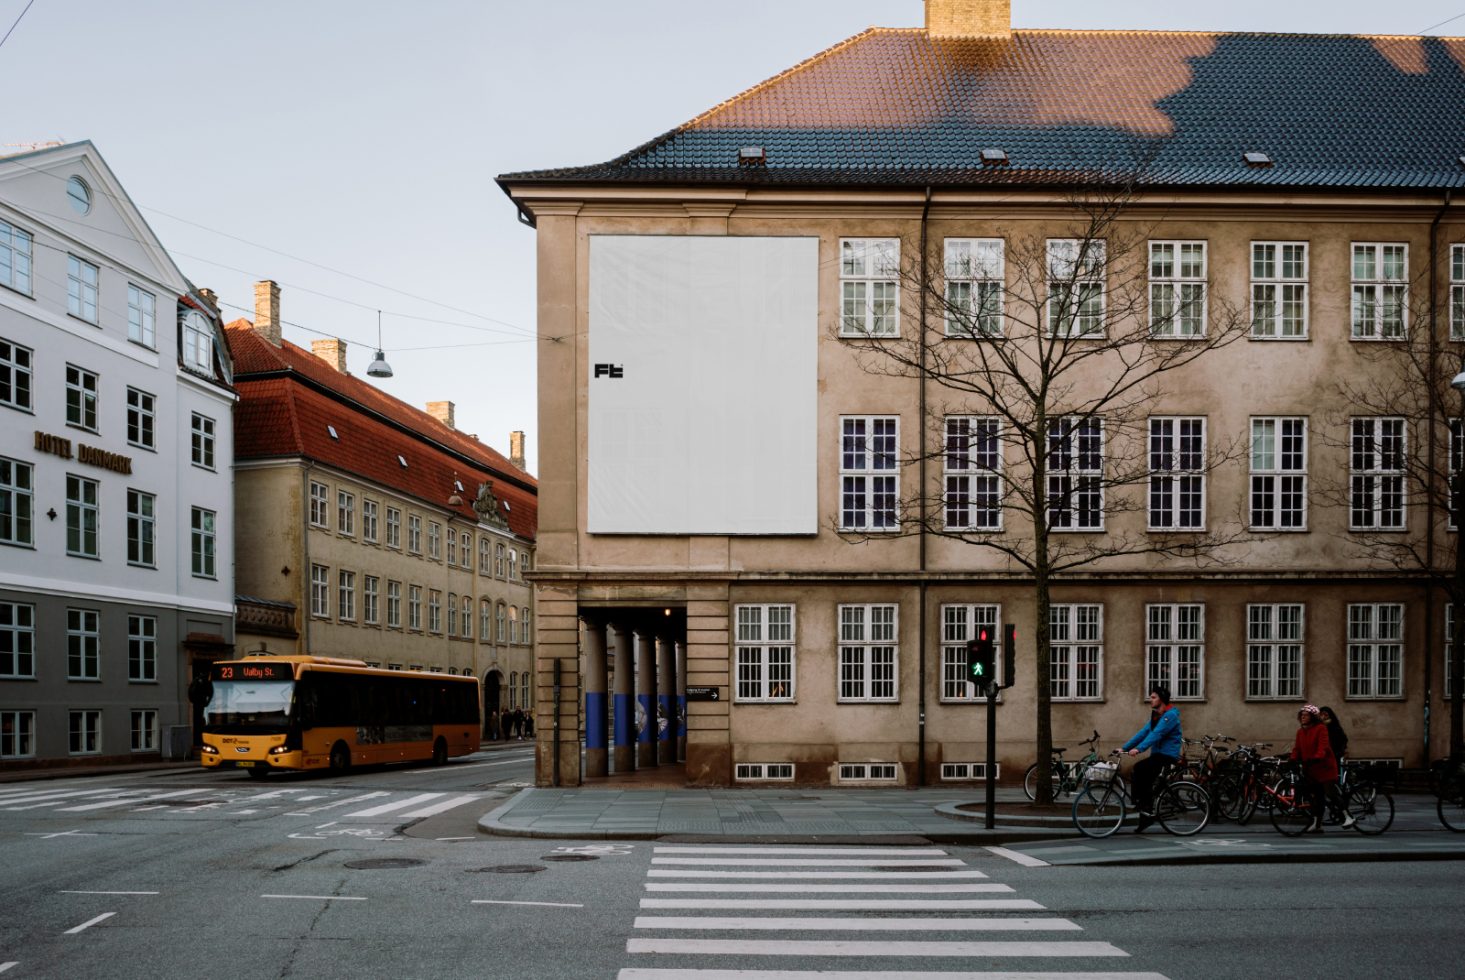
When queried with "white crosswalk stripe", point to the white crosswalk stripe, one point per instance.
{"points": [[395, 805], [203, 802]]}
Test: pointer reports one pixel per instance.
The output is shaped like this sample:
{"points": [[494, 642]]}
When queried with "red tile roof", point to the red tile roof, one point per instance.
{"points": [[288, 397]]}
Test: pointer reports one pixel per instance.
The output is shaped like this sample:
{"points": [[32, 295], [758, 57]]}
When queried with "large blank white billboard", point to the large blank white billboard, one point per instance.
{"points": [[703, 385]]}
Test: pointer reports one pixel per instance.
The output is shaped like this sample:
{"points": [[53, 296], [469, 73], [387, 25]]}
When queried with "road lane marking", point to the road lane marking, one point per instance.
{"points": [[69, 892], [815, 947], [683, 974], [6, 966], [51, 796], [889, 851], [846, 904], [1026, 860], [377, 811], [125, 802], [331, 806], [553, 905], [321, 898], [505, 762], [59, 833], [952, 875], [89, 923], [811, 862], [860, 924], [436, 808], [878, 888]]}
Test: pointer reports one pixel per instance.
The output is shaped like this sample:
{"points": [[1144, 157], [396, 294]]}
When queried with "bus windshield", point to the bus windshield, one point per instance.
{"points": [[250, 704]]}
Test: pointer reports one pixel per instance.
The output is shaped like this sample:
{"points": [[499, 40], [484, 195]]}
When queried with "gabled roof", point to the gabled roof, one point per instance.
{"points": [[897, 107], [289, 399]]}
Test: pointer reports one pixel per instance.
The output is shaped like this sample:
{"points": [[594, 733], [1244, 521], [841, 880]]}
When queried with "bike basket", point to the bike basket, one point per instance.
{"points": [[1101, 772]]}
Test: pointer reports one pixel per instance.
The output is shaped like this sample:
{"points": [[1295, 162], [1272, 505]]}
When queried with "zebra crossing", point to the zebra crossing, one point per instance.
{"points": [[228, 802], [918, 903]]}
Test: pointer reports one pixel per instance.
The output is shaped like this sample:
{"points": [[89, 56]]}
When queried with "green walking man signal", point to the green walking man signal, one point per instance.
{"points": [[981, 657]]}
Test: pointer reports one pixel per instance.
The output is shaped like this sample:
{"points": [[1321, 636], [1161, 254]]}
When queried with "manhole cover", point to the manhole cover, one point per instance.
{"points": [[384, 864], [570, 857], [508, 869]]}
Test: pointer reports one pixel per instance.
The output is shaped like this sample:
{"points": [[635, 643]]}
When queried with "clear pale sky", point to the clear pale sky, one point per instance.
{"points": [[364, 136]]}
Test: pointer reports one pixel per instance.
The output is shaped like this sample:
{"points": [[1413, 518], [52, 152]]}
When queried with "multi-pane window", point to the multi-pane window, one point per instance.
{"points": [[513, 565], [467, 617], [959, 626], [345, 512], [17, 728], [81, 516], [1376, 650], [15, 258], [140, 418], [869, 481], [140, 319], [528, 621], [1274, 651], [434, 540], [1177, 496], [368, 519], [763, 651], [202, 441], [501, 624], [141, 525], [452, 547], [319, 504], [145, 730], [17, 639], [869, 285], [524, 690], [1279, 474], [394, 528], [1376, 475], [1449, 674], [320, 590], [1380, 291], [973, 471], [465, 549], [142, 648], [83, 645], [394, 605], [203, 540], [15, 375], [1177, 289], [975, 278], [1076, 287], [1279, 290], [17, 502], [81, 289], [86, 732], [867, 652], [1457, 292], [434, 611], [452, 614], [346, 596], [1076, 663], [513, 624], [500, 562], [414, 534], [81, 398], [485, 620], [198, 343], [1076, 474], [1175, 649], [414, 607], [485, 557]]}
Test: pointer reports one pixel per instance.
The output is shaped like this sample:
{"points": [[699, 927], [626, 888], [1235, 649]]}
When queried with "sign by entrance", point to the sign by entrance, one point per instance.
{"points": [[703, 694]]}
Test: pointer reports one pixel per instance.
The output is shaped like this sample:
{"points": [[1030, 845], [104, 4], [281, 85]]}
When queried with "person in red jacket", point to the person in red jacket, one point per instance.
{"points": [[1319, 765]]}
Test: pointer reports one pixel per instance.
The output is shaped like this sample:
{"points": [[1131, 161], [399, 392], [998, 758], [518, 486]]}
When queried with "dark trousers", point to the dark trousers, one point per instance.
{"points": [[1143, 780], [1317, 793]]}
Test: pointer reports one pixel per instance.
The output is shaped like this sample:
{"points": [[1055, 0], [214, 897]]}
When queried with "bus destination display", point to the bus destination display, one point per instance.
{"points": [[253, 672]]}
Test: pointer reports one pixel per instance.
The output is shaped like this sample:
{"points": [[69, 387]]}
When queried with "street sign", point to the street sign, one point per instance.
{"points": [[703, 694]]}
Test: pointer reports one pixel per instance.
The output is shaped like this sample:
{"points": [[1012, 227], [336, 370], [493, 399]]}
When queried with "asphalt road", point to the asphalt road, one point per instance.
{"points": [[383, 874]]}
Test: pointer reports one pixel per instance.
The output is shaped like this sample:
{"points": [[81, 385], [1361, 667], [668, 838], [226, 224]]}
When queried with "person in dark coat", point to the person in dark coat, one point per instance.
{"points": [[1338, 742]]}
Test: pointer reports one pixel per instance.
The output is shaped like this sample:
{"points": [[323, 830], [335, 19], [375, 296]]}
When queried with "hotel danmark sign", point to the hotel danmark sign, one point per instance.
{"points": [[90, 455]]}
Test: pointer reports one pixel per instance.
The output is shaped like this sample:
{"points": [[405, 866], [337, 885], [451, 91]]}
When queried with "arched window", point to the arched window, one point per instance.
{"points": [[485, 559], [502, 625], [513, 624], [452, 613], [466, 540], [524, 691], [513, 687], [485, 620], [528, 627], [524, 562], [468, 617], [513, 565], [498, 561]]}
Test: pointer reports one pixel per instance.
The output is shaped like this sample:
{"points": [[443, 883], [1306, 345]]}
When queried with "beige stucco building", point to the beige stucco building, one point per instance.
{"points": [[823, 569]]}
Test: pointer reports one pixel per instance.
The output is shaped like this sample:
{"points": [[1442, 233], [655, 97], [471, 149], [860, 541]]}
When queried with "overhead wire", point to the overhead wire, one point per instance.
{"points": [[16, 24]]}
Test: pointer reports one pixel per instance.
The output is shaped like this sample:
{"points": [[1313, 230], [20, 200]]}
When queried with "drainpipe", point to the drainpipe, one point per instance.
{"points": [[921, 476], [1429, 503], [305, 572]]}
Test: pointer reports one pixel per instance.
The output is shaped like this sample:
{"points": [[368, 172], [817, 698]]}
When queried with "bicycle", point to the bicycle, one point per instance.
{"points": [[1241, 782], [1182, 807], [1450, 800], [1066, 777], [1370, 806]]}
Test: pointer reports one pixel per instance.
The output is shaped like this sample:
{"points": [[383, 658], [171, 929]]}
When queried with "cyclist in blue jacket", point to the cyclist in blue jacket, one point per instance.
{"points": [[1162, 738]]}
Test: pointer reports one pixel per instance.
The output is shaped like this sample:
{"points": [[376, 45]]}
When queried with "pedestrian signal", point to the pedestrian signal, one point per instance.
{"points": [[980, 655]]}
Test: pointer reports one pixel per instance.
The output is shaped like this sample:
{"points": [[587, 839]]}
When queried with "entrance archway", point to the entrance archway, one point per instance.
{"points": [[492, 693]]}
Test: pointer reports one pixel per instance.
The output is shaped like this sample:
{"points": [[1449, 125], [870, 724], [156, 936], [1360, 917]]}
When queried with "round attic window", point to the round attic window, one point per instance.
{"points": [[79, 194]]}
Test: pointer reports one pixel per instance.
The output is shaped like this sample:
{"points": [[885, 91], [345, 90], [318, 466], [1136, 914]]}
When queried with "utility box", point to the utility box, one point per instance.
{"points": [[177, 742]]}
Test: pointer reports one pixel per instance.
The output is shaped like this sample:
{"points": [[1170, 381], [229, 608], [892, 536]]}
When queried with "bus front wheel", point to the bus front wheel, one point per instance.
{"points": [[439, 752], [340, 759]]}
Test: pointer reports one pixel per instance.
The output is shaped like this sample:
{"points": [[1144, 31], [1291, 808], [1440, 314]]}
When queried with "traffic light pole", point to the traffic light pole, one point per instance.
{"points": [[991, 754]]}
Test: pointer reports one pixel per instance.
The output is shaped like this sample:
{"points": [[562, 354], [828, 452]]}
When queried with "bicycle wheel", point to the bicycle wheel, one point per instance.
{"points": [[1030, 781], [1227, 796], [1238, 799], [1290, 813], [1183, 808], [1371, 808], [1098, 810], [1451, 804]]}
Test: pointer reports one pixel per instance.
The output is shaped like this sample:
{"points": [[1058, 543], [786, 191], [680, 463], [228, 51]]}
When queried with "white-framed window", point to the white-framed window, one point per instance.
{"points": [[764, 652], [15, 375], [346, 596], [83, 645], [868, 652], [320, 496], [1274, 638], [203, 538], [142, 649], [414, 534], [501, 624], [17, 728], [1076, 273], [485, 620], [452, 547], [86, 732], [1175, 649], [81, 289], [1380, 291], [81, 516], [368, 519], [1457, 292], [513, 624], [141, 419], [434, 540], [1448, 674], [1178, 289], [81, 398], [1076, 642], [202, 441], [513, 565], [144, 730], [15, 258], [1376, 474], [513, 688], [414, 607], [452, 614], [465, 548], [485, 556], [1177, 492], [320, 590], [1279, 290], [528, 624], [1376, 650], [17, 502], [869, 473], [524, 691], [976, 277], [434, 611], [141, 528], [869, 287], [345, 513], [466, 619], [394, 605], [198, 343], [959, 626], [973, 472], [394, 528], [1076, 474], [141, 307], [1279, 474], [17, 639], [500, 562]]}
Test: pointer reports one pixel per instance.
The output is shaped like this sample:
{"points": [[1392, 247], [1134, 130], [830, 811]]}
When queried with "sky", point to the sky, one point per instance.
{"points": [[347, 148]]}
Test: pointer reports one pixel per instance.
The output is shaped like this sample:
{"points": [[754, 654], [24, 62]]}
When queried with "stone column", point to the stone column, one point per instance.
{"points": [[666, 693], [623, 755], [597, 759], [645, 698], [681, 700]]}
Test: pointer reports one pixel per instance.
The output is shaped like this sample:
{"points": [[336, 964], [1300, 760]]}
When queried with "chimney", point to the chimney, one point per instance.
{"points": [[516, 449], [332, 350], [443, 412], [267, 310], [210, 297], [969, 18]]}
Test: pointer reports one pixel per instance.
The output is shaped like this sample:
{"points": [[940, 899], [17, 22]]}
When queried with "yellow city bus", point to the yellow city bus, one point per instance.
{"points": [[291, 712]]}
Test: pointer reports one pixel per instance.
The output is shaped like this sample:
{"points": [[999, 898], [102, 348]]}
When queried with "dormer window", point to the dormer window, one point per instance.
{"points": [[198, 343]]}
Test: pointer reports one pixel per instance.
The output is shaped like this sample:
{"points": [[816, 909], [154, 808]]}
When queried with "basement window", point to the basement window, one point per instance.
{"points": [[857, 772], [958, 771], [747, 772], [1255, 158]]}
